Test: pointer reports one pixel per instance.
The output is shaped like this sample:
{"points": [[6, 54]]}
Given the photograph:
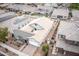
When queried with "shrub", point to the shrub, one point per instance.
{"points": [[3, 34], [45, 48]]}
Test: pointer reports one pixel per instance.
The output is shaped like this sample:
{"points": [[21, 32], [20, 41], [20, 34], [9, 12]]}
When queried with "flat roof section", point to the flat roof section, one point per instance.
{"points": [[40, 35]]}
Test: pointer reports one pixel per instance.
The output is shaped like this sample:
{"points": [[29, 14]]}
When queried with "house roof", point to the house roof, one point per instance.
{"points": [[74, 36], [21, 7], [62, 12], [39, 35], [70, 30], [14, 20], [22, 18], [62, 44], [5, 4], [7, 16], [13, 23]]}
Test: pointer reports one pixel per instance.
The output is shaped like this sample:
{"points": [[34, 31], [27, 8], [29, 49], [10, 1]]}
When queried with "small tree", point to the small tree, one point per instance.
{"points": [[3, 34], [45, 48], [74, 6]]}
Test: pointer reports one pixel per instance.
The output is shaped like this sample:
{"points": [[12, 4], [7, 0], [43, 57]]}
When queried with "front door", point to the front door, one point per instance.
{"points": [[26, 41]]}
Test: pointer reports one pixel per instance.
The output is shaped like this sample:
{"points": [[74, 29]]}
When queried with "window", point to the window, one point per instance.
{"points": [[76, 43], [61, 36], [69, 42], [40, 9], [18, 27], [22, 25], [72, 42], [60, 50], [59, 16], [64, 16]]}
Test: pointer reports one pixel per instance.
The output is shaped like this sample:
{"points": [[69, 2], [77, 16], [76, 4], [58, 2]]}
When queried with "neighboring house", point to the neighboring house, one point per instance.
{"points": [[43, 9], [7, 16], [35, 32], [2, 12], [60, 14], [4, 5], [75, 13], [67, 39], [19, 22], [63, 5], [19, 7], [16, 22]]}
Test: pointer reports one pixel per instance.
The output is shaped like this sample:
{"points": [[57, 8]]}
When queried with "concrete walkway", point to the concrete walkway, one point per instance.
{"points": [[29, 49], [51, 34], [3, 53], [13, 50], [22, 47]]}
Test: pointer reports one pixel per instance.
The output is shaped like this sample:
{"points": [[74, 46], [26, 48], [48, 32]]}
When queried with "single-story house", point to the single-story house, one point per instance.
{"points": [[60, 14], [35, 32], [67, 38]]}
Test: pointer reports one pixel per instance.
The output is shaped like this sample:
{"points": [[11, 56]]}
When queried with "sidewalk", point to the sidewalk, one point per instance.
{"points": [[13, 50]]}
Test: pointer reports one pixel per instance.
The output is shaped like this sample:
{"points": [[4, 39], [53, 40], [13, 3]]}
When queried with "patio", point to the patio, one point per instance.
{"points": [[6, 52], [12, 42]]}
